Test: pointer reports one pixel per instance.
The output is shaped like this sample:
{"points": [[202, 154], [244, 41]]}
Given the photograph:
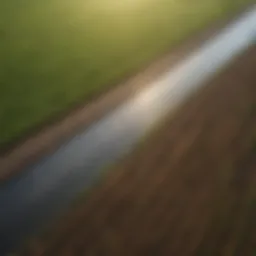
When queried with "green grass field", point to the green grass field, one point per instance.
{"points": [[57, 53]]}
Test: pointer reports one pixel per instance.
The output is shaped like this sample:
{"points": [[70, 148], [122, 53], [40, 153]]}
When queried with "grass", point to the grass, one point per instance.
{"points": [[57, 53]]}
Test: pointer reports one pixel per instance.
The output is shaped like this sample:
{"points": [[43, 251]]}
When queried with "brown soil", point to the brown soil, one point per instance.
{"points": [[47, 138], [190, 189]]}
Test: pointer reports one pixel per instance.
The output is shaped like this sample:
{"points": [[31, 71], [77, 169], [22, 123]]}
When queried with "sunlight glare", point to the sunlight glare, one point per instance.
{"points": [[119, 5]]}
